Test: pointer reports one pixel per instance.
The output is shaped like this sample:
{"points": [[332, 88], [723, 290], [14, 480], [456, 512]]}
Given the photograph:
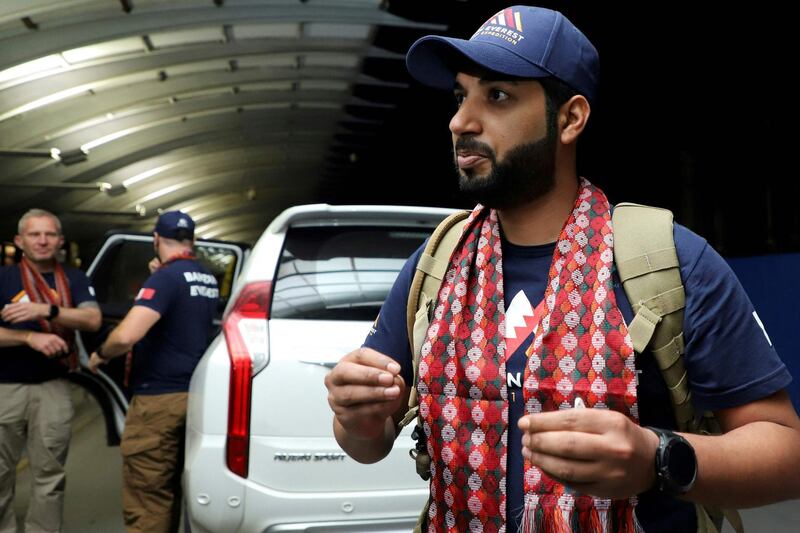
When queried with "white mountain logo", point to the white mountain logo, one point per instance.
{"points": [[521, 321]]}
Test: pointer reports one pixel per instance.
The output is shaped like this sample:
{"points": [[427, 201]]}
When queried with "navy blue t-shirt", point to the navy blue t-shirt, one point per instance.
{"points": [[719, 322], [185, 294], [21, 364]]}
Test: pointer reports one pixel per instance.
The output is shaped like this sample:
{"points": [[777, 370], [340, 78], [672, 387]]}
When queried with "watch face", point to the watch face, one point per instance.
{"points": [[682, 463]]}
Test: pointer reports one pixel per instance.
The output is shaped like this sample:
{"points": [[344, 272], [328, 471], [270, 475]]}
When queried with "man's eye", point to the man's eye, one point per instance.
{"points": [[459, 99], [497, 95]]}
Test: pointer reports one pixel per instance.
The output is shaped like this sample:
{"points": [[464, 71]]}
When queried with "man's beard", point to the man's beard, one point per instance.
{"points": [[525, 174]]}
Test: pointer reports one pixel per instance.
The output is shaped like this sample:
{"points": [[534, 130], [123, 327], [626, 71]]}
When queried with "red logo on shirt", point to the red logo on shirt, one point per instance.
{"points": [[146, 294]]}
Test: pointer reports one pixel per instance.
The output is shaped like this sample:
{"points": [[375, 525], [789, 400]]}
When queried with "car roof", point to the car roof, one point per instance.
{"points": [[327, 215]]}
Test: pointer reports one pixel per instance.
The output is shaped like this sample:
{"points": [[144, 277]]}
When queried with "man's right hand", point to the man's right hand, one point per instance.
{"points": [[49, 344], [154, 264], [365, 389], [95, 361]]}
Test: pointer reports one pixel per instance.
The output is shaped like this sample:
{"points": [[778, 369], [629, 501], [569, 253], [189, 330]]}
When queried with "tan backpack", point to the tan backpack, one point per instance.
{"points": [[647, 263]]}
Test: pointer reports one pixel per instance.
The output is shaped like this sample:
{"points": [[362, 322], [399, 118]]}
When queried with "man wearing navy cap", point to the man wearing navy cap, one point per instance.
{"points": [[536, 412], [168, 328]]}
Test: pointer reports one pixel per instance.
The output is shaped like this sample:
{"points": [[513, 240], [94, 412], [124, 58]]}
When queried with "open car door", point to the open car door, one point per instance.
{"points": [[117, 273]]}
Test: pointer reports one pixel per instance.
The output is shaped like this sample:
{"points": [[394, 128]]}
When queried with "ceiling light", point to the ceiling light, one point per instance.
{"points": [[37, 66], [264, 61], [186, 37], [337, 31], [105, 49], [111, 137], [47, 100], [323, 85], [266, 31], [325, 59], [210, 225], [198, 66], [162, 192], [144, 175], [67, 157], [266, 86]]}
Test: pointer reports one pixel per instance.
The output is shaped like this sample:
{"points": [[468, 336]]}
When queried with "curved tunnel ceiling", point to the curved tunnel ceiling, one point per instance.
{"points": [[230, 110], [236, 109]]}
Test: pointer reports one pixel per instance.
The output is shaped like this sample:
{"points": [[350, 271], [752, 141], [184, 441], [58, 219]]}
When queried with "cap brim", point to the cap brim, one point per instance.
{"points": [[435, 60]]}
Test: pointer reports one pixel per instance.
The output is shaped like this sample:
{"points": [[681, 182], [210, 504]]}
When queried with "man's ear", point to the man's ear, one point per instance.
{"points": [[18, 241], [572, 118]]}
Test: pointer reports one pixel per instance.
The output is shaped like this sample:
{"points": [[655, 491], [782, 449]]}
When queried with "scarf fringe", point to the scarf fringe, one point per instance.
{"points": [[619, 518]]}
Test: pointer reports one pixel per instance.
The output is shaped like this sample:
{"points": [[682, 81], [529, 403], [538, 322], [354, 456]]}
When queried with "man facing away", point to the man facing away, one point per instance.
{"points": [[43, 303], [168, 327], [531, 321]]}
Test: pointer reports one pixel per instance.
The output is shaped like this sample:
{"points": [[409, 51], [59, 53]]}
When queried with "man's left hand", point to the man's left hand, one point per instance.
{"points": [[593, 451], [24, 312]]}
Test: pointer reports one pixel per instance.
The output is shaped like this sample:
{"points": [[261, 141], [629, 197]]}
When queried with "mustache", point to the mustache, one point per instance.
{"points": [[470, 144]]}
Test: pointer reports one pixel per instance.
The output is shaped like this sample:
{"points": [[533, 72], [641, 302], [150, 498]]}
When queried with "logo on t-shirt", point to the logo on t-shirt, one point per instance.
{"points": [[761, 325], [22, 296], [146, 294], [522, 320]]}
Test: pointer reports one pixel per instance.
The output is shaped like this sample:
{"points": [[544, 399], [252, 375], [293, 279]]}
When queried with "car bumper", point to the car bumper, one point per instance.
{"points": [[219, 501]]}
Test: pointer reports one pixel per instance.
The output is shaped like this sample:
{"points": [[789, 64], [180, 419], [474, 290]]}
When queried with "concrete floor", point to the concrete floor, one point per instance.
{"points": [[93, 496]]}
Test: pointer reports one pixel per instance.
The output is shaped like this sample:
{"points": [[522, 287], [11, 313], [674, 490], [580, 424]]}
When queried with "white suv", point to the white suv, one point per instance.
{"points": [[260, 452]]}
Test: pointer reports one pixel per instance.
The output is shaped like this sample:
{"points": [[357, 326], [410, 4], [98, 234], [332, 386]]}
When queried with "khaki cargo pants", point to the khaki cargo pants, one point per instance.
{"points": [[152, 462], [38, 417]]}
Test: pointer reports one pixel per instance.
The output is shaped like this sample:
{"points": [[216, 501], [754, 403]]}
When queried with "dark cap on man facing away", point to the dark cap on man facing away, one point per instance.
{"points": [[175, 225], [520, 42]]}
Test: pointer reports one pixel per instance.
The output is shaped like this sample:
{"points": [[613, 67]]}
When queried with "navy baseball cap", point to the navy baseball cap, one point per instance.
{"points": [[171, 223], [519, 41]]}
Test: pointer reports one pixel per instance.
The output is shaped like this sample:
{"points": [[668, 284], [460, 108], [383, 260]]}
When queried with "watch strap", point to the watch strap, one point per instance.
{"points": [[665, 481]]}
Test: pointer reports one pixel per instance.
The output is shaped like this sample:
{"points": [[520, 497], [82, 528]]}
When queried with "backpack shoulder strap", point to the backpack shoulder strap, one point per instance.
{"points": [[645, 257], [431, 269]]}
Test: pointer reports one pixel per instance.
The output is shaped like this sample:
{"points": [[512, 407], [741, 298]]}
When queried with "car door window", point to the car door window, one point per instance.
{"points": [[123, 269], [120, 275], [221, 262]]}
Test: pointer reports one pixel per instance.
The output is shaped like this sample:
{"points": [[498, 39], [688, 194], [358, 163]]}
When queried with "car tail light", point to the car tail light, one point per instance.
{"points": [[245, 328]]}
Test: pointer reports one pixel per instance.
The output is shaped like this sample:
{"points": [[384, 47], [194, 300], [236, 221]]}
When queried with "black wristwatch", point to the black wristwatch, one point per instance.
{"points": [[676, 463], [53, 312]]}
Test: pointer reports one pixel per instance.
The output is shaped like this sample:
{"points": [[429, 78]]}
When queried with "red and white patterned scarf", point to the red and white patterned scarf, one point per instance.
{"points": [[581, 349], [39, 291]]}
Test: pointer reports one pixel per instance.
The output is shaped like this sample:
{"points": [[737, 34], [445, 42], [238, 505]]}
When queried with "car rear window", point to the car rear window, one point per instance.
{"points": [[340, 273]]}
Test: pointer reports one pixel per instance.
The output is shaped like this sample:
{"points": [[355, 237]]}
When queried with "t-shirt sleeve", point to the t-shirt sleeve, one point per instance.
{"points": [[729, 358], [80, 288], [157, 291], [389, 333]]}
